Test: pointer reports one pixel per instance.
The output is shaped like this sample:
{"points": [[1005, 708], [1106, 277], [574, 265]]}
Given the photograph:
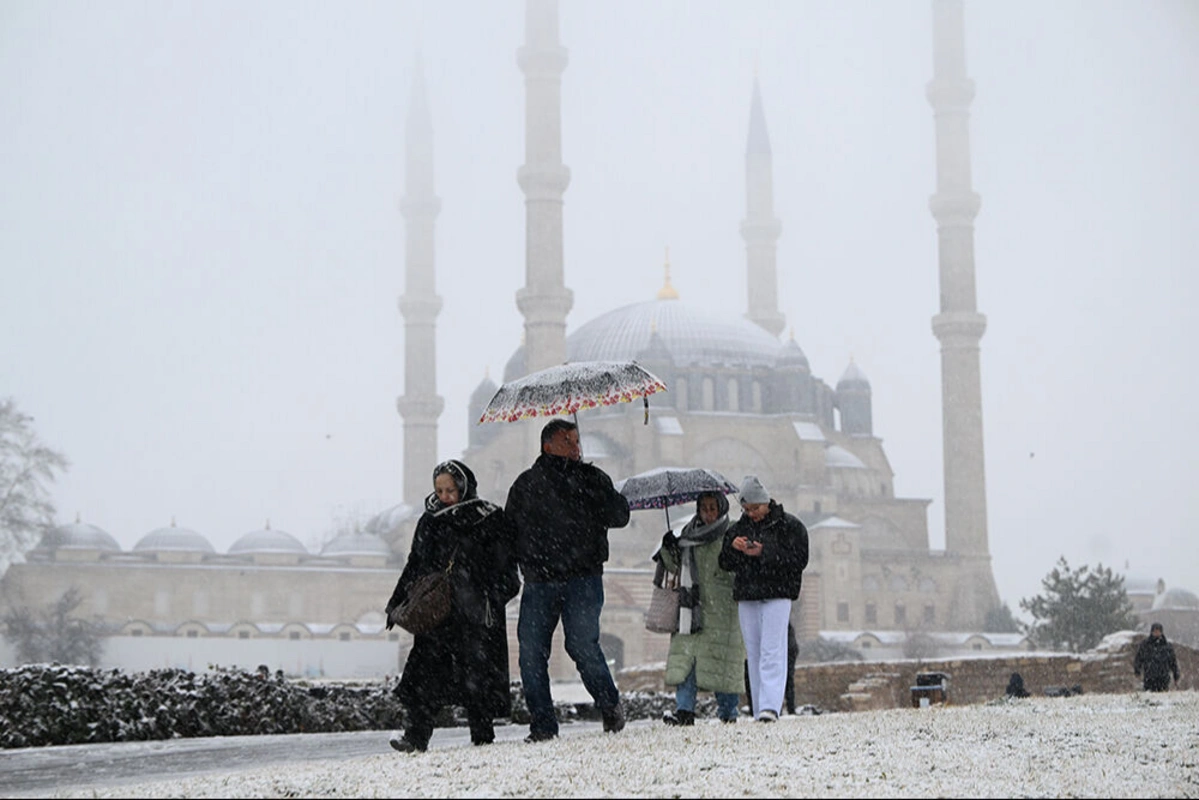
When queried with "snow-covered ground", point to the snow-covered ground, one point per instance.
{"points": [[1131, 745]]}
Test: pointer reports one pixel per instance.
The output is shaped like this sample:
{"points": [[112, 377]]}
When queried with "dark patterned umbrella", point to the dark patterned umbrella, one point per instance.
{"points": [[567, 388], [663, 487]]}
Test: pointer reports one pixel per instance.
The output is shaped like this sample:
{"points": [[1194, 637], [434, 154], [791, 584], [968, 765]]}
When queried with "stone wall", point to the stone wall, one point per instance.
{"points": [[872, 685]]}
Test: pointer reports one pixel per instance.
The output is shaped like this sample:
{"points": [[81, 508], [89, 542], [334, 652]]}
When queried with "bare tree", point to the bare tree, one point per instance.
{"points": [[53, 634], [26, 468]]}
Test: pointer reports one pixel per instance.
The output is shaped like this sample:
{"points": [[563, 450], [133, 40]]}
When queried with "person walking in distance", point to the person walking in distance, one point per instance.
{"points": [[767, 550], [562, 509], [1156, 660]]}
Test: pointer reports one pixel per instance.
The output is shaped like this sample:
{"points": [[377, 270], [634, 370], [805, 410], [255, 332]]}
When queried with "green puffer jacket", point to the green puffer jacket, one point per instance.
{"points": [[717, 651]]}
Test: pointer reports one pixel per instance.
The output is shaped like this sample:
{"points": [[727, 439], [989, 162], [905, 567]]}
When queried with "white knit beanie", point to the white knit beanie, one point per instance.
{"points": [[752, 491]]}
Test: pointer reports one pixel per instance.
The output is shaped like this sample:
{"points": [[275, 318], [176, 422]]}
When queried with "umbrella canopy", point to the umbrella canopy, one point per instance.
{"points": [[567, 388], [663, 487]]}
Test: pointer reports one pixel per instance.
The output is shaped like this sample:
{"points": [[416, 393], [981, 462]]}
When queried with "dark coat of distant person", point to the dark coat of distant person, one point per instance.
{"points": [[1156, 661]]}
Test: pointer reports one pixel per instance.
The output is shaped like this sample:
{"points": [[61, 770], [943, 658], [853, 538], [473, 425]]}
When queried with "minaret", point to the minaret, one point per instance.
{"points": [[544, 300], [959, 326], [420, 405], [760, 229]]}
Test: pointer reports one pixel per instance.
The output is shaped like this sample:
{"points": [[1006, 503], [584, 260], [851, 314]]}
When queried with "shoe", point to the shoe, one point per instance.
{"points": [[613, 719], [768, 715], [479, 742], [403, 745], [730, 720], [680, 717], [540, 736]]}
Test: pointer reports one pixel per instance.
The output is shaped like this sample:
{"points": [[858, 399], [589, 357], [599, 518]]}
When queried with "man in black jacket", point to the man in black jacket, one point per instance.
{"points": [[1155, 657], [562, 509]]}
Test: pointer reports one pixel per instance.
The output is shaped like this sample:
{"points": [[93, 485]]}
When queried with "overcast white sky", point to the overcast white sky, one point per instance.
{"points": [[202, 250]]}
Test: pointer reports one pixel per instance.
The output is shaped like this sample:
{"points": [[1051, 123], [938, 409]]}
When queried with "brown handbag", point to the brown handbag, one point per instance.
{"points": [[428, 602], [662, 616]]}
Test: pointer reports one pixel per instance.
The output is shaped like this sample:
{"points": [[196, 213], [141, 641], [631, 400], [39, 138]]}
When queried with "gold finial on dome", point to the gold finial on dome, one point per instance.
{"points": [[268, 523], [667, 292], [78, 518], [793, 333], [172, 520]]}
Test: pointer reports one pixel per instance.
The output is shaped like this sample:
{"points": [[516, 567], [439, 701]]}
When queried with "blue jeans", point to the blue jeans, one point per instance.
{"points": [[577, 602], [685, 692]]}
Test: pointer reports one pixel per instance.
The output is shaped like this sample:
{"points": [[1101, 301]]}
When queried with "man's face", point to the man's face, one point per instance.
{"points": [[756, 511], [565, 444]]}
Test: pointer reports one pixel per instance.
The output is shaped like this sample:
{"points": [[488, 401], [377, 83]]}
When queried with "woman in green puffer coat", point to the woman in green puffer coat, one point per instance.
{"points": [[708, 652]]}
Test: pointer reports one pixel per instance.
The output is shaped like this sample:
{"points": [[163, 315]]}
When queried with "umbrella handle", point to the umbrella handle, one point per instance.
{"points": [[645, 399]]}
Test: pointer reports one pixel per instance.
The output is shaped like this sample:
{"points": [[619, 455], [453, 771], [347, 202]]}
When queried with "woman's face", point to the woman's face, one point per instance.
{"points": [[447, 490], [709, 510]]}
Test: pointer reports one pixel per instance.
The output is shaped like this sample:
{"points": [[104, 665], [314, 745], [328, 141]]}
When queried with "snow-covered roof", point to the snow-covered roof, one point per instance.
{"points": [[837, 456], [808, 431]]}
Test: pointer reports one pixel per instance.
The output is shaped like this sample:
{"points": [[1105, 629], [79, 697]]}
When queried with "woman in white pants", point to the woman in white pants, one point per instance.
{"points": [[767, 551]]}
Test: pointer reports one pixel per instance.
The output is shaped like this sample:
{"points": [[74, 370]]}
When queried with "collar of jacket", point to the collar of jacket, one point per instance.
{"points": [[558, 463]]}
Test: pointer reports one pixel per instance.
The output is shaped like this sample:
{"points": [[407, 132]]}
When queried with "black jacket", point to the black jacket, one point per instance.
{"points": [[562, 510], [465, 660], [1155, 658], [778, 572]]}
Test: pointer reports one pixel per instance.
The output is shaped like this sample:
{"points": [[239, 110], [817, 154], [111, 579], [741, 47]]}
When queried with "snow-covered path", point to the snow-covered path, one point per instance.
{"points": [[1132, 745]]}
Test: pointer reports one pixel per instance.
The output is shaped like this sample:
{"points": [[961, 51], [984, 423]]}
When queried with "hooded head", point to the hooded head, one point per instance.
{"points": [[464, 480], [1156, 628], [722, 504]]}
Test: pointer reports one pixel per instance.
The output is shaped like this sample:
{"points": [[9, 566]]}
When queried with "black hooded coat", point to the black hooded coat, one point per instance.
{"points": [[464, 661], [1156, 660]]}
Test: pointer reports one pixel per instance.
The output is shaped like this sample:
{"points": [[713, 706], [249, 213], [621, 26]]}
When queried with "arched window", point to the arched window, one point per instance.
{"points": [[680, 397], [756, 397], [709, 389], [734, 395]]}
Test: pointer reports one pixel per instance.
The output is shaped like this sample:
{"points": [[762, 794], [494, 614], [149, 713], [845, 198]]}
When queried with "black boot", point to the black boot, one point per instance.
{"points": [[679, 718]]}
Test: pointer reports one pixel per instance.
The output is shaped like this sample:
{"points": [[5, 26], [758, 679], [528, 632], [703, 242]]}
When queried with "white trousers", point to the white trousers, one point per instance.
{"points": [[764, 629]]}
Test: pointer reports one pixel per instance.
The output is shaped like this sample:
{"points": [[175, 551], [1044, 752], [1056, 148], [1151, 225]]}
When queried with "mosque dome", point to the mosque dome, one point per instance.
{"points": [[1176, 598], [358, 543], [173, 538], [852, 377], [692, 337], [793, 356], [267, 541], [837, 456], [483, 393], [386, 521], [79, 536]]}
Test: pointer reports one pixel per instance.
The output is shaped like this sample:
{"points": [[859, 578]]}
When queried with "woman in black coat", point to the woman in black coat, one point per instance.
{"points": [[464, 661], [1155, 658]]}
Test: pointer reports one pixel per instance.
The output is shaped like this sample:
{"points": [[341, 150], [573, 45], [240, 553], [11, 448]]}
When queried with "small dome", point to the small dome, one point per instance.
{"points": [[483, 393], [267, 541], [387, 521], [1176, 598], [515, 368], [793, 356], [853, 377], [837, 456], [79, 536], [359, 543], [173, 538]]}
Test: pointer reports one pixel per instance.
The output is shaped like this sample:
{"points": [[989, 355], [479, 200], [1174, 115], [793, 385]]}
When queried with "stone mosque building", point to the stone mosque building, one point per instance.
{"points": [[741, 399]]}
